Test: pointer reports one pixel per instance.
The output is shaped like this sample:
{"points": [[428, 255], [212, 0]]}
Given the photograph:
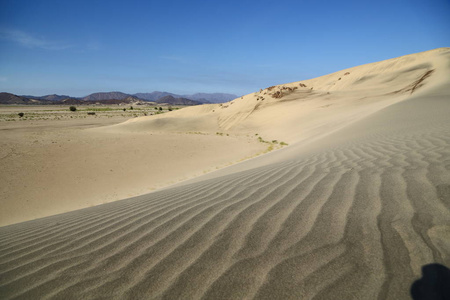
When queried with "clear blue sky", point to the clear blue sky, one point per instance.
{"points": [[80, 47]]}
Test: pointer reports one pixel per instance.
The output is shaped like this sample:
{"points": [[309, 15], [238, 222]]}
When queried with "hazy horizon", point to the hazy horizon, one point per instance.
{"points": [[133, 93]]}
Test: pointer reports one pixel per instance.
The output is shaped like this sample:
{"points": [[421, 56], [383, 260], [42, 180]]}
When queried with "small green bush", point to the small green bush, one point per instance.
{"points": [[72, 108], [21, 114]]}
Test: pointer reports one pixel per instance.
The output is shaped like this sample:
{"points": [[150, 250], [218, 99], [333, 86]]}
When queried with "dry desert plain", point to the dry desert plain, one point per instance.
{"points": [[357, 206], [54, 160]]}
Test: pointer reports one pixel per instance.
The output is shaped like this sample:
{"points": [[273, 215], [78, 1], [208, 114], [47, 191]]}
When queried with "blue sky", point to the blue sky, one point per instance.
{"points": [[79, 47]]}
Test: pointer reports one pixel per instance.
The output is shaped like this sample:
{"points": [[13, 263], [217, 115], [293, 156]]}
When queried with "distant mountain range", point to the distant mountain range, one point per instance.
{"points": [[52, 97], [155, 96], [200, 97], [177, 101], [211, 97], [119, 97], [106, 96], [7, 98]]}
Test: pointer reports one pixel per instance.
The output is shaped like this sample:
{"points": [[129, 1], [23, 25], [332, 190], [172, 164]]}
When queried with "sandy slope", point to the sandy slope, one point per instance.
{"points": [[50, 167], [352, 209]]}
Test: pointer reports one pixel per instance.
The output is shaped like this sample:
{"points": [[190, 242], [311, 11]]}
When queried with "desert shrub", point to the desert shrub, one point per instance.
{"points": [[72, 108], [21, 114], [124, 109], [91, 113], [160, 108], [131, 107], [283, 144], [277, 94]]}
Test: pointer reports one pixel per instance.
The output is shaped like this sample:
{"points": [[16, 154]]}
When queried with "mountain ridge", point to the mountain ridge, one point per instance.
{"points": [[115, 96], [171, 100]]}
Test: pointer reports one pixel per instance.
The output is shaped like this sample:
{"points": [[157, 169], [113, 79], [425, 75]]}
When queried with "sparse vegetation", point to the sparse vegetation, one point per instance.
{"points": [[100, 109], [43, 113], [274, 144], [277, 94]]}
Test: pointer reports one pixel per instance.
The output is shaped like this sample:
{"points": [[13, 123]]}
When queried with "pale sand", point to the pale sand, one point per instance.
{"points": [[352, 209], [50, 167]]}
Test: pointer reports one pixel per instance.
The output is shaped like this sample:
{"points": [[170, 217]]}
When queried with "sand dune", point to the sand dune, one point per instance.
{"points": [[50, 167], [352, 209]]}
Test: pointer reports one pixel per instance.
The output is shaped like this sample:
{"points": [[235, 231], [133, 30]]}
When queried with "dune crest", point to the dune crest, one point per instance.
{"points": [[357, 207], [300, 110]]}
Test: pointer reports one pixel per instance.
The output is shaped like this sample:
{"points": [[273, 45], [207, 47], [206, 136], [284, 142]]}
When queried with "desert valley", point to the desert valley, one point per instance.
{"points": [[336, 187]]}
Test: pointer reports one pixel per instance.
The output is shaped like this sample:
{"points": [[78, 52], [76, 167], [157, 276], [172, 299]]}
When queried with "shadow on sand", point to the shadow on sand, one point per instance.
{"points": [[434, 284]]}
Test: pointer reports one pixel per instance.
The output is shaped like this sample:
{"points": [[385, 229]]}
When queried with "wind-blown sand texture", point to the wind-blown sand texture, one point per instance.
{"points": [[352, 209]]}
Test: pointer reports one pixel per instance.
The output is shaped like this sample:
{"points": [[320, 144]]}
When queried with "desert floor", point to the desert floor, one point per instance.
{"points": [[52, 163]]}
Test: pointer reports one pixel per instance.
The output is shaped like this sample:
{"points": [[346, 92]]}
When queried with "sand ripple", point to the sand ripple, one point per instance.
{"points": [[357, 218]]}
